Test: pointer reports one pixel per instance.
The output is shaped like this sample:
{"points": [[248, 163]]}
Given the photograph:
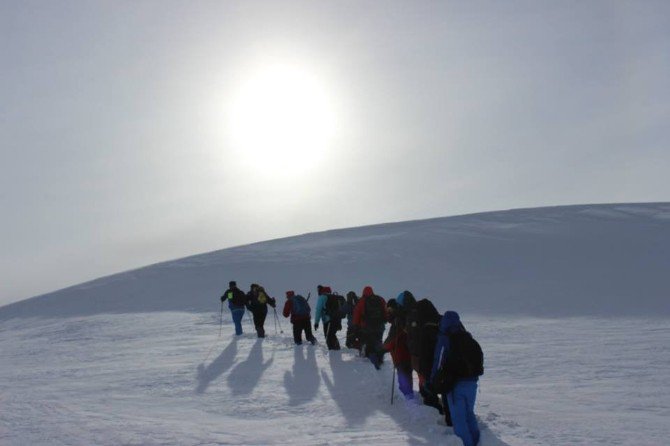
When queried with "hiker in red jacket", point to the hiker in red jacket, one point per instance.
{"points": [[298, 309], [370, 317], [396, 344]]}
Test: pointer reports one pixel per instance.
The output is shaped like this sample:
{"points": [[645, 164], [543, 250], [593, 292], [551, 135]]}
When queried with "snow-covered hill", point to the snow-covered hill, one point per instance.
{"points": [[135, 358], [570, 260]]}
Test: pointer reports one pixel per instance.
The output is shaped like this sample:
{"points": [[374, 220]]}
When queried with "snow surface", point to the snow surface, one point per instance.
{"points": [[166, 378], [570, 305]]}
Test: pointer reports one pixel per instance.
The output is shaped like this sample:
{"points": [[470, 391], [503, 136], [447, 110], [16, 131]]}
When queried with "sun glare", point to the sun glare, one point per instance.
{"points": [[282, 119]]}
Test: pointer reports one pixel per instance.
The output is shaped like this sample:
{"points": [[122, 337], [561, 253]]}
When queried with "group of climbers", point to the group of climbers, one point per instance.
{"points": [[256, 301], [437, 347]]}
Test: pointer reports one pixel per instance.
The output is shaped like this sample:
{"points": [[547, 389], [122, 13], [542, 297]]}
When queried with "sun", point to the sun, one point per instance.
{"points": [[281, 118]]}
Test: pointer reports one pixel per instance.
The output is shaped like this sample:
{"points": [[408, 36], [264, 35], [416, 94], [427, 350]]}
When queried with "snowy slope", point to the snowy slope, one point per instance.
{"points": [[571, 260], [135, 358]]}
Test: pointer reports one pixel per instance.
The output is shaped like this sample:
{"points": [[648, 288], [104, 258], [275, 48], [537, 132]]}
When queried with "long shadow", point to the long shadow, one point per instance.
{"points": [[360, 378], [246, 375], [348, 379], [217, 367], [302, 383]]}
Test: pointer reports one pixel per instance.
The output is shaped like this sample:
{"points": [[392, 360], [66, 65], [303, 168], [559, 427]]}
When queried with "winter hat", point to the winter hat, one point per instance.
{"points": [[367, 291], [319, 289], [290, 294], [232, 284]]}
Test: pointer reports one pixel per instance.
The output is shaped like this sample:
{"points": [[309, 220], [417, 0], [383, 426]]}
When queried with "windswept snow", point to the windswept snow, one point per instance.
{"points": [[166, 378], [569, 303]]}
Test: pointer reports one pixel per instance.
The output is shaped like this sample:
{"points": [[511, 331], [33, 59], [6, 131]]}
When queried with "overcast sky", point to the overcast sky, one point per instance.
{"points": [[133, 132]]}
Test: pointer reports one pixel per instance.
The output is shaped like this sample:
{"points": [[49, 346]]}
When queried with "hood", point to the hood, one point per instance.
{"points": [[406, 300], [367, 291], [451, 322]]}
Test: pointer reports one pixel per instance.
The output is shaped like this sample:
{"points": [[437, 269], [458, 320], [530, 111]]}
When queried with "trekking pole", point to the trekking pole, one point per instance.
{"points": [[395, 347], [393, 386], [221, 320], [277, 321]]}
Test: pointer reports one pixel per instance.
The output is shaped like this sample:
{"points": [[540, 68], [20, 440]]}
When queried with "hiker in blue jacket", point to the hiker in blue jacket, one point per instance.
{"points": [[236, 302], [330, 325], [461, 398]]}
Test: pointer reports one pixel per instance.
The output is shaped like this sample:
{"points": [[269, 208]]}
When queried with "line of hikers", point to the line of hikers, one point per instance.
{"points": [[437, 347]]}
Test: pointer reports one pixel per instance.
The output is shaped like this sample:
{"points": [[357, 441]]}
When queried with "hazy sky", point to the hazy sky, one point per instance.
{"points": [[133, 132]]}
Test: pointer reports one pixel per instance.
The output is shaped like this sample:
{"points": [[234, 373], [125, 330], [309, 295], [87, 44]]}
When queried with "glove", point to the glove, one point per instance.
{"points": [[316, 326]]}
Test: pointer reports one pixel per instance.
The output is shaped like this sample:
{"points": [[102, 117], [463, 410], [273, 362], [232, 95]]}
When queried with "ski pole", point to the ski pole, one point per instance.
{"points": [[278, 321], [393, 386], [221, 320], [394, 327]]}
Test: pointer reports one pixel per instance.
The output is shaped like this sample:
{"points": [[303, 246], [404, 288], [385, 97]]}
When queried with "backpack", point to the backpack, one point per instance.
{"points": [[334, 306], [239, 299], [422, 328], [335, 310], [300, 306], [466, 360], [262, 297], [374, 312]]}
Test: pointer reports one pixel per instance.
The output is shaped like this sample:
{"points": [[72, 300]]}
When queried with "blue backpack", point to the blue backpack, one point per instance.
{"points": [[300, 306]]}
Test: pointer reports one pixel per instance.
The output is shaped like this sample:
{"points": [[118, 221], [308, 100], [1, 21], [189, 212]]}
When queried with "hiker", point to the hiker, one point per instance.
{"points": [[458, 363], [328, 310], [298, 309], [422, 326], [396, 344], [406, 301], [352, 340], [236, 302], [257, 303], [370, 317]]}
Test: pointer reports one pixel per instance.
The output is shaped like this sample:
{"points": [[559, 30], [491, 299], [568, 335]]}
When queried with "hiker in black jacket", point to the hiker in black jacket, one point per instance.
{"points": [[353, 340], [236, 302], [422, 321], [257, 302]]}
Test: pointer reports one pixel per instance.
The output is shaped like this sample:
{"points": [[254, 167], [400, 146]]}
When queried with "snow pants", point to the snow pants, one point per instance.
{"points": [[405, 384], [461, 403], [330, 333], [372, 338], [238, 314], [300, 326], [352, 337], [259, 321]]}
